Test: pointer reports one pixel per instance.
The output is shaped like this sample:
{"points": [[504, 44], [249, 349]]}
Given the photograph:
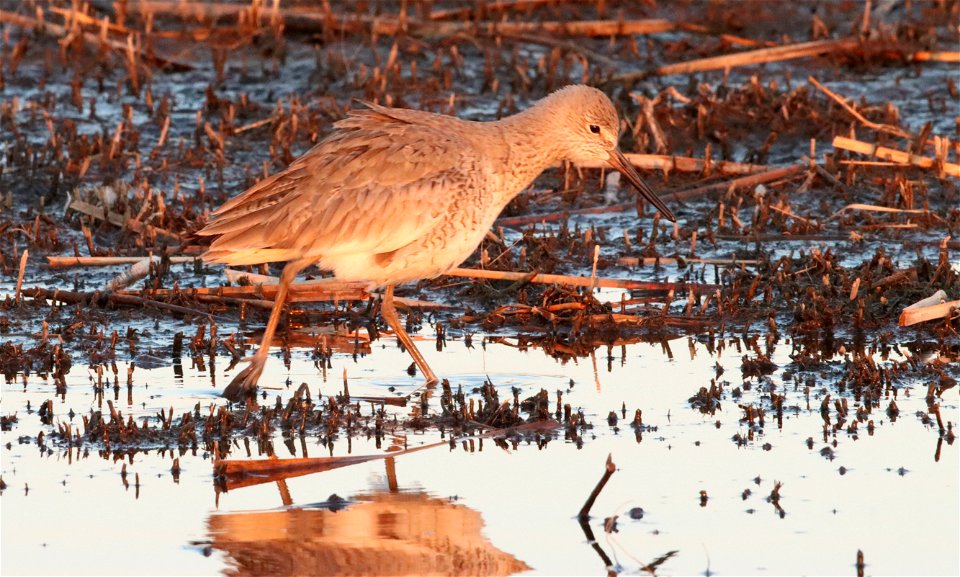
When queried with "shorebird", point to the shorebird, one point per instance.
{"points": [[394, 195]]}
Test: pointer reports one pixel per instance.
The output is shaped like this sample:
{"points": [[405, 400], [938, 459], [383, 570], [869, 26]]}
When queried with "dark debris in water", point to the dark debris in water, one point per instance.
{"points": [[225, 427]]}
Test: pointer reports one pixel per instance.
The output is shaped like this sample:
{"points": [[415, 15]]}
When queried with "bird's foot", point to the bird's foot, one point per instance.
{"points": [[244, 385]]}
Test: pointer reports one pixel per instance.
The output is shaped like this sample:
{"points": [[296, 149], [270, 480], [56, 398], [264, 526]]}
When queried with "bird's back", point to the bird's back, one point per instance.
{"points": [[380, 181]]}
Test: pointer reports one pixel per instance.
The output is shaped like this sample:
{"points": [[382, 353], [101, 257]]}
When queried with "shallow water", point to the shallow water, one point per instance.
{"points": [[491, 509]]}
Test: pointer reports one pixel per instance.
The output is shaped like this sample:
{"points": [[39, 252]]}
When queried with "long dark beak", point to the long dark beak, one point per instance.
{"points": [[620, 162]]}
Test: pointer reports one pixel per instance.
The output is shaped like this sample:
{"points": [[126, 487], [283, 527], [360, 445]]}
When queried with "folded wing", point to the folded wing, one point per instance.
{"points": [[378, 183]]}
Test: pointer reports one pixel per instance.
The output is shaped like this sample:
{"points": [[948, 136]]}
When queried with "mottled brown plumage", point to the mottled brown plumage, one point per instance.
{"points": [[394, 195]]}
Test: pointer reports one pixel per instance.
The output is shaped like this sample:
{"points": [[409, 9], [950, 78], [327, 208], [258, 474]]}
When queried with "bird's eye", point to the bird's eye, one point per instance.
{"points": [[594, 129]]}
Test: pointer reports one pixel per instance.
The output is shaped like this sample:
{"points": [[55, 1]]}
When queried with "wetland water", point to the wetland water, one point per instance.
{"points": [[787, 421], [503, 507]]}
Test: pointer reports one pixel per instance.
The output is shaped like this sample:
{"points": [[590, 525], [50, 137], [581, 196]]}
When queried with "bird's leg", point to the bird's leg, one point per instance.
{"points": [[389, 313], [245, 383]]}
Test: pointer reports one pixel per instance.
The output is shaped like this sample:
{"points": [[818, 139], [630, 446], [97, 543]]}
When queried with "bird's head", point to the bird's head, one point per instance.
{"points": [[589, 129]]}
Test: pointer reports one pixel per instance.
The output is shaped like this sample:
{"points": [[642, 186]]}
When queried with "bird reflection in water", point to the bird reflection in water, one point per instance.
{"points": [[388, 532]]}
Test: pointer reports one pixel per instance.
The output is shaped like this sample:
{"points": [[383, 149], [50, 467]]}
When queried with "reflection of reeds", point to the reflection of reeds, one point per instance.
{"points": [[238, 473]]}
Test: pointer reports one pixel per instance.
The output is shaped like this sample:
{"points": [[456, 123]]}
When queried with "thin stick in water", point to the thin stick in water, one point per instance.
{"points": [[607, 473]]}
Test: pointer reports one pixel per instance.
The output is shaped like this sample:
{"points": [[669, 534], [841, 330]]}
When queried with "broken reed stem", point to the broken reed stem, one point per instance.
{"points": [[593, 270], [500, 6], [233, 301], [139, 270], [667, 163], [574, 280], [653, 261], [876, 208], [588, 28], [255, 124], [890, 154], [68, 261], [106, 299], [653, 127], [441, 23], [739, 183], [321, 285], [681, 195], [936, 298], [311, 20], [760, 56], [95, 41], [607, 473], [600, 319], [120, 220], [633, 319], [337, 291], [331, 289], [23, 268], [912, 316], [843, 103], [261, 295], [943, 56], [855, 289]]}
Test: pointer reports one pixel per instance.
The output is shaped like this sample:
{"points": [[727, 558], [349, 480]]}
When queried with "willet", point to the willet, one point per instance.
{"points": [[395, 195]]}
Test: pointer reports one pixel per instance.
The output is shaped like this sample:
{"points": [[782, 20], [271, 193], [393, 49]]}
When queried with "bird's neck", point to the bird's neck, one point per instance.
{"points": [[530, 146]]}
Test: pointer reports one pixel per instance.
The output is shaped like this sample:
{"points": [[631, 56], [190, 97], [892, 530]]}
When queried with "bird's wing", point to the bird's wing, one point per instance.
{"points": [[379, 182]]}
